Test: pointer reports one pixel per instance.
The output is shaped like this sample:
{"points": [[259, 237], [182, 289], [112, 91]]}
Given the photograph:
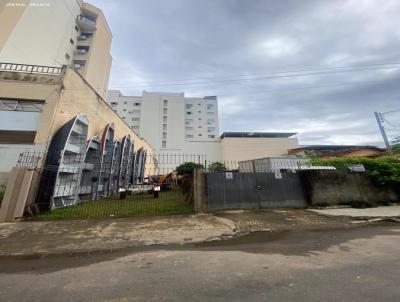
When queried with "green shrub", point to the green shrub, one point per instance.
{"points": [[187, 168], [216, 167], [383, 170]]}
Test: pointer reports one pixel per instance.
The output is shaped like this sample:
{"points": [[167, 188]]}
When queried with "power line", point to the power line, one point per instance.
{"points": [[388, 65], [296, 75]]}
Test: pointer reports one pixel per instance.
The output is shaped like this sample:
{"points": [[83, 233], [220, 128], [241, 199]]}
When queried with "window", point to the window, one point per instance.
{"points": [[199, 111], [210, 113], [165, 102], [188, 106], [200, 134], [189, 121], [165, 111], [199, 127], [189, 112], [199, 119], [136, 104], [123, 117], [210, 106], [199, 104], [71, 41], [124, 110], [114, 104], [67, 56], [135, 119], [125, 103], [210, 129], [164, 127], [210, 121], [164, 119], [82, 49], [79, 63], [164, 144], [164, 135], [189, 135], [76, 28], [189, 128], [21, 105], [211, 136], [135, 111]]}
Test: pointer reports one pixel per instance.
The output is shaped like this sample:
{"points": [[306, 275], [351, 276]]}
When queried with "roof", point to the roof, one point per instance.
{"points": [[258, 134]]}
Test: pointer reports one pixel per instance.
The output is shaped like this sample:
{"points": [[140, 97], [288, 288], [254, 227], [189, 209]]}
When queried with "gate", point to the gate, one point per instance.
{"points": [[260, 190]]}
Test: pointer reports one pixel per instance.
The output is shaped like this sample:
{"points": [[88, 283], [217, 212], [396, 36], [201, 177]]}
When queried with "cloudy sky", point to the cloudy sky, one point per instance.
{"points": [[319, 68]]}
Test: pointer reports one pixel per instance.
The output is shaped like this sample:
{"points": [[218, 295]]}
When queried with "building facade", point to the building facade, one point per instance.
{"points": [[57, 33], [171, 122], [242, 146], [35, 105]]}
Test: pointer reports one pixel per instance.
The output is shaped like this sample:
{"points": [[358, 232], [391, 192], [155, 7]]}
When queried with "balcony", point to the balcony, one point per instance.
{"points": [[81, 51], [86, 24]]}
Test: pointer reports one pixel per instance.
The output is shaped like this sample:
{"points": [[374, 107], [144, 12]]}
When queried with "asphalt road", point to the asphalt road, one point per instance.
{"points": [[359, 264]]}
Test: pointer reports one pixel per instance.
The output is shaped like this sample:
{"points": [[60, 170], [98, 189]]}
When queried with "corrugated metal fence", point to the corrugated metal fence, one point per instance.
{"points": [[238, 190]]}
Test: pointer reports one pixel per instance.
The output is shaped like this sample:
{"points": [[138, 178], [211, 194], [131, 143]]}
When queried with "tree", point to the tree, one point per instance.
{"points": [[187, 168], [217, 167]]}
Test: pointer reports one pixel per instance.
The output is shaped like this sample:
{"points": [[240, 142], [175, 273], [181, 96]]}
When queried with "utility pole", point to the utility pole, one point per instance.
{"points": [[379, 119]]}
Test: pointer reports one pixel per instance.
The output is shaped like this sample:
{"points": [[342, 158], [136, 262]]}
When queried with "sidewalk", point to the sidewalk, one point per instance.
{"points": [[378, 212], [77, 236]]}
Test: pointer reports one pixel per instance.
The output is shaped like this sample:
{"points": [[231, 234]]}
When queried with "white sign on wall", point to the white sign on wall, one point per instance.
{"points": [[228, 175]]}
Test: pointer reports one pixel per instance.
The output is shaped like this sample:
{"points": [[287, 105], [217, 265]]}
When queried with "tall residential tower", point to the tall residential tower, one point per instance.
{"points": [[54, 33], [171, 122]]}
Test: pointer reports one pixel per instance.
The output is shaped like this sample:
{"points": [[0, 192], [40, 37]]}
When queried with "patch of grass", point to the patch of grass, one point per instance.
{"points": [[169, 203]]}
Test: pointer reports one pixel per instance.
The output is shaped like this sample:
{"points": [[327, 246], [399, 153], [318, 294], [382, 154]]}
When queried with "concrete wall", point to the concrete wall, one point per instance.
{"points": [[9, 17], [32, 87], [40, 35], [98, 65], [245, 148], [341, 187], [65, 96], [77, 97]]}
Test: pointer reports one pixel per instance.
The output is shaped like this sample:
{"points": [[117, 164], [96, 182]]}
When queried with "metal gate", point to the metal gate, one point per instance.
{"points": [[238, 190]]}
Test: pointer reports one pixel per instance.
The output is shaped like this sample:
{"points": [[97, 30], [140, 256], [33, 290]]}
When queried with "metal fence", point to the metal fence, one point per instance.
{"points": [[30, 68], [273, 182], [80, 188]]}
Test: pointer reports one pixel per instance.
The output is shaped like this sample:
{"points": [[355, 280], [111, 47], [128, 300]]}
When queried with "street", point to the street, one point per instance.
{"points": [[357, 264]]}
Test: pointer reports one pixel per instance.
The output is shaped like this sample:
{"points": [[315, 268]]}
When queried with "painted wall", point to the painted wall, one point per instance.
{"points": [[42, 34], [98, 65], [244, 148], [9, 17], [60, 106]]}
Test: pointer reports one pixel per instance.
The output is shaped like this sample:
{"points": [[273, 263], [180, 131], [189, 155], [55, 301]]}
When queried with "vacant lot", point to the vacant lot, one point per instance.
{"points": [[169, 203]]}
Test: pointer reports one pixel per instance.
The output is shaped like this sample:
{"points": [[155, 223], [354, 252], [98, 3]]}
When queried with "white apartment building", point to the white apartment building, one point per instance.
{"points": [[55, 33], [171, 122]]}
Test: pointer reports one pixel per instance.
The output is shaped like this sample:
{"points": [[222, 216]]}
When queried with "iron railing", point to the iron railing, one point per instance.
{"points": [[30, 68]]}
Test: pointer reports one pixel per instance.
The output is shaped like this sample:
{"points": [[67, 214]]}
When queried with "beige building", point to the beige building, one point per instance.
{"points": [[34, 105], [57, 33], [241, 146]]}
